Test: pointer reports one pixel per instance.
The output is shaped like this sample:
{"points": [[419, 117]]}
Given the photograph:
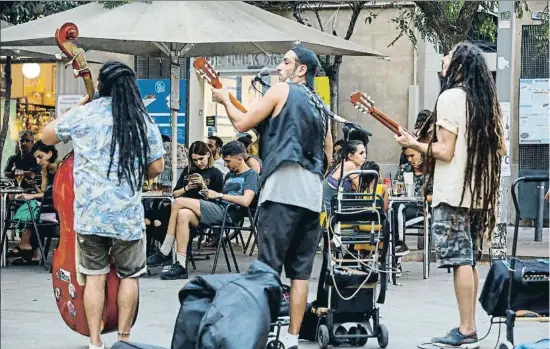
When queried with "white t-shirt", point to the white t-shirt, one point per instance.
{"points": [[220, 165], [449, 176]]}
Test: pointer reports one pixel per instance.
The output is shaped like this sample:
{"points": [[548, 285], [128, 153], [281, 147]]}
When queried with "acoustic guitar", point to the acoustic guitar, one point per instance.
{"points": [[68, 283], [206, 72], [365, 104]]}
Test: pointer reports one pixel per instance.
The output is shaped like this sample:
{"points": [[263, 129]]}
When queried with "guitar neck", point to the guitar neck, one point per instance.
{"points": [[385, 120], [236, 103]]}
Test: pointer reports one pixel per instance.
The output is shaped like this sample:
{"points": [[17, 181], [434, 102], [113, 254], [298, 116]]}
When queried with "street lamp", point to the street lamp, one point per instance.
{"points": [[31, 70]]}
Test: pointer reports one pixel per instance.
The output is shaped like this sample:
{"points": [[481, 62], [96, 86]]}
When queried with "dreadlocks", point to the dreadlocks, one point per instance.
{"points": [[484, 132], [117, 80]]}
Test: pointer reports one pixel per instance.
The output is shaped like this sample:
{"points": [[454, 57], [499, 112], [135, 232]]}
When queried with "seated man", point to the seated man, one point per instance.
{"points": [[410, 213], [240, 187]]}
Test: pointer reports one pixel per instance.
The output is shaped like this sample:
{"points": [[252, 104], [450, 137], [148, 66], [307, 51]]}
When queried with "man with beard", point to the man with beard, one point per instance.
{"points": [[293, 127]]}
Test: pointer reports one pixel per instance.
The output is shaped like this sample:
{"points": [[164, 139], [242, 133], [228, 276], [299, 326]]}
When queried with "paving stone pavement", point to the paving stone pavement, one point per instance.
{"points": [[413, 312]]}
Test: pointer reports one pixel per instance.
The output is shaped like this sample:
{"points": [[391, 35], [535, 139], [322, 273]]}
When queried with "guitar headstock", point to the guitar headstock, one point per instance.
{"points": [[362, 102], [64, 38], [206, 72]]}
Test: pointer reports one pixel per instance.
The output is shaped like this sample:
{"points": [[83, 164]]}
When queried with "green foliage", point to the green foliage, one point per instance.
{"points": [[448, 22], [17, 12]]}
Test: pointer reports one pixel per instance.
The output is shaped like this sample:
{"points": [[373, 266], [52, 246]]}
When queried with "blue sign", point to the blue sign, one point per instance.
{"points": [[156, 98]]}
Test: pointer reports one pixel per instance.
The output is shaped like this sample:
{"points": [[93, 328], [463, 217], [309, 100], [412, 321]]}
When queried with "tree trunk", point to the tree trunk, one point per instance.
{"points": [[6, 119], [333, 85]]}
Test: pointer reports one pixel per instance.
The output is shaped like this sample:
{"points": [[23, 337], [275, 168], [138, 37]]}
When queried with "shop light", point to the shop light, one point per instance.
{"points": [[31, 70]]}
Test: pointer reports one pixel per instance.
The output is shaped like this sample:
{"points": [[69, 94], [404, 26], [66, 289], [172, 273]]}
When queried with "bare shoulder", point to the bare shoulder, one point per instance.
{"points": [[280, 88]]}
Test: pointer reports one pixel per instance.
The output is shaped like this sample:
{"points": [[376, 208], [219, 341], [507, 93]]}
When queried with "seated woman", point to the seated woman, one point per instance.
{"points": [[355, 154], [200, 174], [252, 161], [45, 156], [367, 183], [409, 214]]}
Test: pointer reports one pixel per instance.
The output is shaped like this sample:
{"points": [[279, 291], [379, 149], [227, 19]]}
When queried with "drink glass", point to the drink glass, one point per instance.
{"points": [[19, 177]]}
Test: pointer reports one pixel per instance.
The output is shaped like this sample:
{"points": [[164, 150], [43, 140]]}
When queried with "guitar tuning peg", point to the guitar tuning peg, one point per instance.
{"points": [[58, 56]]}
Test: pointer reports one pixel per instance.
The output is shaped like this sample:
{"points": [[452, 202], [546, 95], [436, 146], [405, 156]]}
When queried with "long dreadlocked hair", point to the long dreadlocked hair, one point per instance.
{"points": [[118, 81], [484, 133]]}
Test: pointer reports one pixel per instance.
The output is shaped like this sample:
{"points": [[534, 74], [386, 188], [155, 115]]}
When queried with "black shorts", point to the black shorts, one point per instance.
{"points": [[288, 235]]}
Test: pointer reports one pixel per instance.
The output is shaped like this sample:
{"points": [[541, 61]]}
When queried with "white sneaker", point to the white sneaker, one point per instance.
{"points": [[91, 346]]}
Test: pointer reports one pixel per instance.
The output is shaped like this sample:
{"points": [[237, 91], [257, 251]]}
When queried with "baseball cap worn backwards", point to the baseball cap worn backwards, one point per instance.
{"points": [[309, 59]]}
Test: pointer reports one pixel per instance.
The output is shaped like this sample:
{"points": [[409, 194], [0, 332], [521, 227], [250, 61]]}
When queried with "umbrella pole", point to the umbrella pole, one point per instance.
{"points": [[7, 103], [174, 109]]}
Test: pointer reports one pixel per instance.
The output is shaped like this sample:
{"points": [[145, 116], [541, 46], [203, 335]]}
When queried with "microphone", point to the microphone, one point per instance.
{"points": [[265, 71]]}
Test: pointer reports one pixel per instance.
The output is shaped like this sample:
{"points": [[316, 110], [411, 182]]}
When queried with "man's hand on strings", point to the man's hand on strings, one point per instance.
{"points": [[406, 139]]}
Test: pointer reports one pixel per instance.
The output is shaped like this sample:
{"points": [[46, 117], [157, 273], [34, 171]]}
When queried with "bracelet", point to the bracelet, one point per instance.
{"points": [[123, 334]]}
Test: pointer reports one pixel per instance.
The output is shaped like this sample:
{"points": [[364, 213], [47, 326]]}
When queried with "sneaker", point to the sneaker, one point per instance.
{"points": [[157, 259], [174, 272], [399, 271], [401, 249], [455, 339]]}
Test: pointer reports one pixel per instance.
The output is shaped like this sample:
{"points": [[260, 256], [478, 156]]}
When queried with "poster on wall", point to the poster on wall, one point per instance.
{"points": [[534, 119], [156, 98], [66, 102]]}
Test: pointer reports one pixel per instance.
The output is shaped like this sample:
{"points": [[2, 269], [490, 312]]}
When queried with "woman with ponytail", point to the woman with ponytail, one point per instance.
{"points": [[116, 147]]}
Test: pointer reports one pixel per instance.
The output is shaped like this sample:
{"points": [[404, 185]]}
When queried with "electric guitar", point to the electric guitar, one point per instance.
{"points": [[365, 104]]}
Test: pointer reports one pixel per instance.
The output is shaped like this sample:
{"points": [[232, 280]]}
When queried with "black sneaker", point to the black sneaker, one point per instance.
{"points": [[157, 259], [174, 272], [401, 249], [399, 271], [455, 339]]}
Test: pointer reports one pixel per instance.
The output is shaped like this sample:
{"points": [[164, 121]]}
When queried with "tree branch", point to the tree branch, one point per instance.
{"points": [[356, 7]]}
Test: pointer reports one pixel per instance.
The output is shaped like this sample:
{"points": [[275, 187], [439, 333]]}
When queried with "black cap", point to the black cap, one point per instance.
{"points": [[310, 60]]}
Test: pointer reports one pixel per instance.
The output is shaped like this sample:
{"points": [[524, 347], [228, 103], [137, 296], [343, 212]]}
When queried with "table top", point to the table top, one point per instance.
{"points": [[405, 198], [14, 190], [157, 194]]}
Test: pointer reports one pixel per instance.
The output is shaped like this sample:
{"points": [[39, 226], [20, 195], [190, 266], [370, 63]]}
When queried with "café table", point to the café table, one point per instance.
{"points": [[5, 191]]}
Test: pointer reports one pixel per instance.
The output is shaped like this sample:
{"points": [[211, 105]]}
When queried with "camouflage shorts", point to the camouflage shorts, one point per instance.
{"points": [[457, 236]]}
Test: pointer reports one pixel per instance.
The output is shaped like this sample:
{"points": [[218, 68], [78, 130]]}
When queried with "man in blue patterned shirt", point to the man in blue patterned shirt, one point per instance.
{"points": [[116, 145]]}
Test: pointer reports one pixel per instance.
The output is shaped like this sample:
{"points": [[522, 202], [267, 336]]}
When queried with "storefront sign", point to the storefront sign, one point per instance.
{"points": [[156, 98], [245, 61]]}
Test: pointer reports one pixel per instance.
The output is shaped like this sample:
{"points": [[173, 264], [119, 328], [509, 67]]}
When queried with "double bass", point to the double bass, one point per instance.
{"points": [[68, 283]]}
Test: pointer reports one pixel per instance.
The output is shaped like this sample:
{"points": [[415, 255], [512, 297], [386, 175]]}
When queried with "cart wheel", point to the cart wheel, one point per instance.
{"points": [[323, 336], [383, 336], [340, 331], [353, 331], [362, 331], [506, 345], [275, 344]]}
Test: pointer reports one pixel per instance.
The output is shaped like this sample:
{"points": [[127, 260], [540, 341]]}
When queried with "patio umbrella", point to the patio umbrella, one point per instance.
{"points": [[46, 53], [181, 29]]}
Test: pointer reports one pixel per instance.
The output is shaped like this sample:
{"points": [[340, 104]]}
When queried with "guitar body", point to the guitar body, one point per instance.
{"points": [[68, 284]]}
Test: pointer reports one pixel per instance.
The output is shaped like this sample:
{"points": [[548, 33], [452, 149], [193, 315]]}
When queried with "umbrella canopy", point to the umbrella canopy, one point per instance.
{"points": [[181, 28], [47, 53]]}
